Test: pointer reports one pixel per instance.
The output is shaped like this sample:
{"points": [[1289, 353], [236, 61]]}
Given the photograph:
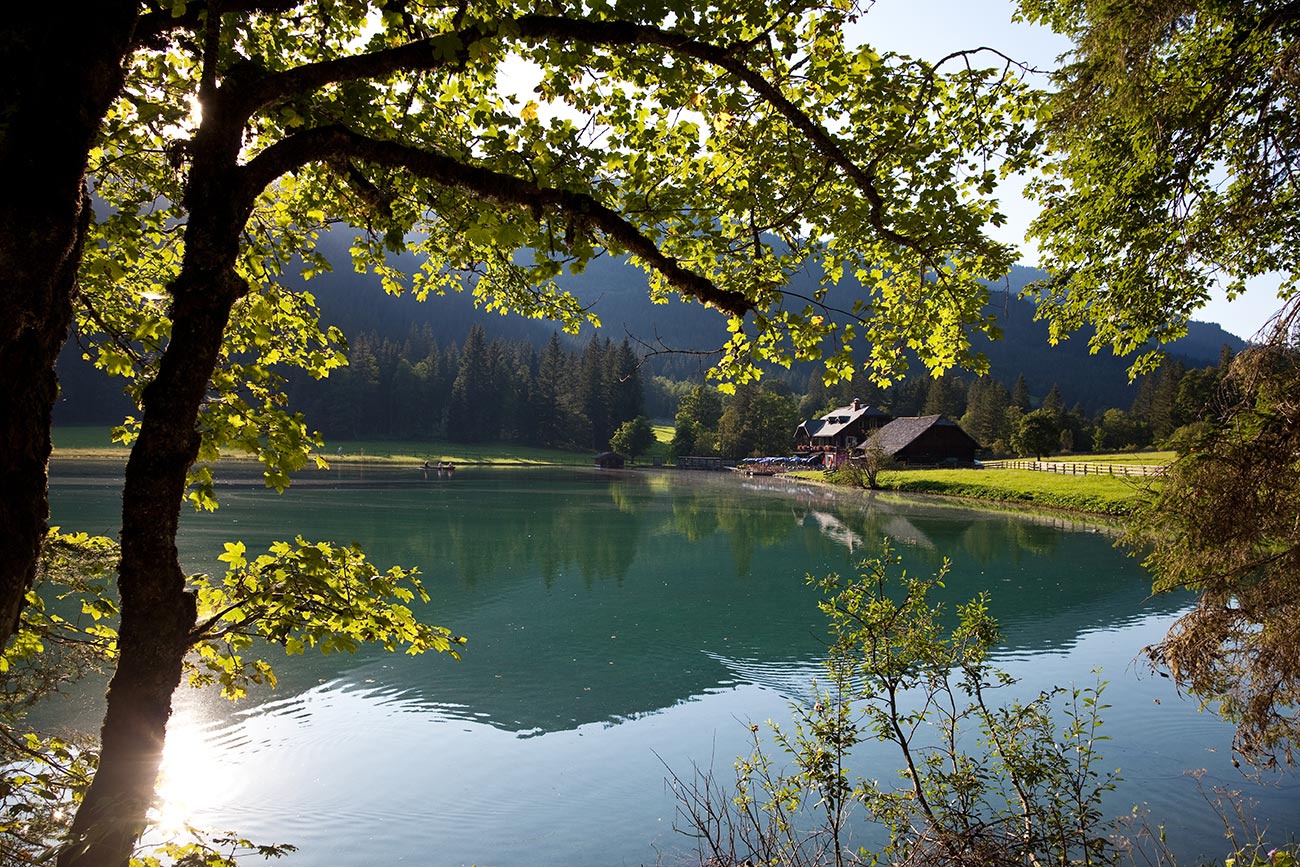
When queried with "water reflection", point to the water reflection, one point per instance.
{"points": [[615, 619], [590, 597], [193, 778]]}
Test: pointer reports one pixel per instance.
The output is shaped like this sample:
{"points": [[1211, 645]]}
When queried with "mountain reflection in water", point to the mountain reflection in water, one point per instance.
{"points": [[618, 622]]}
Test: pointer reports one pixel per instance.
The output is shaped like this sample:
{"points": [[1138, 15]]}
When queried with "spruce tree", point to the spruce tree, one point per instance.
{"points": [[629, 396], [1020, 394], [548, 394], [594, 393], [1054, 403], [471, 393]]}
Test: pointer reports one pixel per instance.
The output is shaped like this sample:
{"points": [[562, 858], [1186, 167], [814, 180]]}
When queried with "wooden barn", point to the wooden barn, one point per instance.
{"points": [[927, 439]]}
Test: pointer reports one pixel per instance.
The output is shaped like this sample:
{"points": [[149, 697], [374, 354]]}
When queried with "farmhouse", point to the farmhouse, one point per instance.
{"points": [[927, 439], [840, 430]]}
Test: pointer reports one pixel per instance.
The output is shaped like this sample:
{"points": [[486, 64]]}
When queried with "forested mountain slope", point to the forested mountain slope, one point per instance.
{"points": [[616, 292]]}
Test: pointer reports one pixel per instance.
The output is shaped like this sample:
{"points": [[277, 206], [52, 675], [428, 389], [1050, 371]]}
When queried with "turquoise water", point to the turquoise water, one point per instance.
{"points": [[621, 625]]}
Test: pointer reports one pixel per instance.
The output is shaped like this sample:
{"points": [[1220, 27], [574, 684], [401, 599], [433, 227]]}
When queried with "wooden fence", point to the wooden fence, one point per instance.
{"points": [[1080, 468]]}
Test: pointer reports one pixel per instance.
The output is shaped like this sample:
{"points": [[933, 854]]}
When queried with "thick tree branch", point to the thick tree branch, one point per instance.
{"points": [[452, 50], [626, 33], [490, 186]]}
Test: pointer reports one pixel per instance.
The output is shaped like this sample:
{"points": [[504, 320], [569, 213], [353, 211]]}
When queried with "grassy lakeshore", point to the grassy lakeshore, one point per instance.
{"points": [[1148, 458], [1093, 495], [94, 442]]}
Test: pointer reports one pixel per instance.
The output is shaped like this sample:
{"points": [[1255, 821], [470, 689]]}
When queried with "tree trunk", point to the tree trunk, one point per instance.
{"points": [[158, 613], [61, 70]]}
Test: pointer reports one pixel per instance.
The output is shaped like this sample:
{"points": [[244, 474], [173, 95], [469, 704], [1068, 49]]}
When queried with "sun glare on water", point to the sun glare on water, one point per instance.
{"points": [[193, 778]]}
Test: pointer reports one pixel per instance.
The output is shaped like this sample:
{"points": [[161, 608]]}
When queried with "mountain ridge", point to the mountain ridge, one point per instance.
{"points": [[617, 293]]}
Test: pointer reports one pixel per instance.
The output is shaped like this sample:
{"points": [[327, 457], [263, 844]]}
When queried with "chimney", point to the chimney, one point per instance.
{"points": [[857, 404]]}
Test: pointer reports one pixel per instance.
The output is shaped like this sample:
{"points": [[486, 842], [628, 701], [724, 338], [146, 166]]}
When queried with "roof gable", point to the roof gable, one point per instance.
{"points": [[812, 427], [902, 432], [840, 418]]}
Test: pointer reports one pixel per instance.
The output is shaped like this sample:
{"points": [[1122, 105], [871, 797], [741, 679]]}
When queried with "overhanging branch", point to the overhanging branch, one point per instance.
{"points": [[493, 187], [452, 50]]}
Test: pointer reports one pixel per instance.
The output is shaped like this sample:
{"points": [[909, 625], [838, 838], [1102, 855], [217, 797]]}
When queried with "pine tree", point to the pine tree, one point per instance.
{"points": [[943, 396], [986, 411], [908, 397], [1054, 403], [553, 427], [813, 404], [594, 393], [468, 410], [629, 396], [355, 389], [1020, 394]]}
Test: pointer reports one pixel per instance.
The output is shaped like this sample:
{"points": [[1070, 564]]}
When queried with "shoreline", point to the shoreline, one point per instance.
{"points": [[1106, 520], [118, 455]]}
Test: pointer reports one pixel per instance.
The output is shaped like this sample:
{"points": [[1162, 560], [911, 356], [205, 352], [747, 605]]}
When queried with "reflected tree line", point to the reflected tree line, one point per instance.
{"points": [[603, 530], [674, 570]]}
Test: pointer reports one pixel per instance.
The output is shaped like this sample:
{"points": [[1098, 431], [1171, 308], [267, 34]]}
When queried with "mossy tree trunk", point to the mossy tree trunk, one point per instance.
{"points": [[61, 69]]}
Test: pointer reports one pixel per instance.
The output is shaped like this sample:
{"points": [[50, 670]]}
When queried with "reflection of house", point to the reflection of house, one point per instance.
{"points": [[840, 429], [927, 439], [834, 529]]}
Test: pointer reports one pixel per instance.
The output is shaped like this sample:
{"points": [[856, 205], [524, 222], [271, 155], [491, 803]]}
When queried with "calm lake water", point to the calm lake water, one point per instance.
{"points": [[620, 624]]}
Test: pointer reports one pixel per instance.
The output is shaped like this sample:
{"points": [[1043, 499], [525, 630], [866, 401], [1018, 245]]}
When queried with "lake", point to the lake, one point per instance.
{"points": [[620, 624]]}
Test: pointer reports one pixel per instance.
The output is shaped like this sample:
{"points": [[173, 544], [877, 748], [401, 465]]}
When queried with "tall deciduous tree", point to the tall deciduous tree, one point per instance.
{"points": [[721, 147]]}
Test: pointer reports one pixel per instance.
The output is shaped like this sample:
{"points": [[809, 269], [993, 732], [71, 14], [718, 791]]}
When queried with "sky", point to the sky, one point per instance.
{"points": [[933, 28]]}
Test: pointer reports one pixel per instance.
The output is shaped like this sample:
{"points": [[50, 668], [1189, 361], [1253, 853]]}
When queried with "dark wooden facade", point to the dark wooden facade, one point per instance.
{"points": [[925, 440]]}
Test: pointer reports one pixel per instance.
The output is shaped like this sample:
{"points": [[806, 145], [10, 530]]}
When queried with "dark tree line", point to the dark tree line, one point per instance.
{"points": [[510, 391], [481, 391]]}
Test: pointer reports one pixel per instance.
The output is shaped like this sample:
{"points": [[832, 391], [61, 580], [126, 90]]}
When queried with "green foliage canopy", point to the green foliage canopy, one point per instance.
{"points": [[1036, 434], [763, 142], [633, 437], [1175, 141], [757, 422]]}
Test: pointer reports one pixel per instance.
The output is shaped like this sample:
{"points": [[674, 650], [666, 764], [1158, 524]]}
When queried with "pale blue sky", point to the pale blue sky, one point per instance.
{"points": [[933, 28]]}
